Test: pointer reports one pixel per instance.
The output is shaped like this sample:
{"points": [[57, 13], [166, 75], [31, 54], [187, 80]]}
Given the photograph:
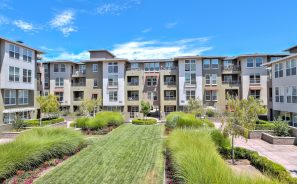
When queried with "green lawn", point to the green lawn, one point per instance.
{"points": [[129, 154]]}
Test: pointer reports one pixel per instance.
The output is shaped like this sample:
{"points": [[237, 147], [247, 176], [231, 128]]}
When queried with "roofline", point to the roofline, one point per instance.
{"points": [[280, 60], [102, 50], [60, 61], [293, 47], [23, 45]]}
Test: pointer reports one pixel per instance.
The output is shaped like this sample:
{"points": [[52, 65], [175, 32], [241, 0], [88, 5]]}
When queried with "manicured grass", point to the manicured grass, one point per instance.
{"points": [[34, 147], [129, 154], [196, 160]]}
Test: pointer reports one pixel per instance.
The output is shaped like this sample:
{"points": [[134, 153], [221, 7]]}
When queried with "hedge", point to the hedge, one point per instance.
{"points": [[264, 125], [144, 121], [36, 122], [34, 147]]}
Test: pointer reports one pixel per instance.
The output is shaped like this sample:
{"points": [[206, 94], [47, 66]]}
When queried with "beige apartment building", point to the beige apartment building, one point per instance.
{"points": [[19, 80]]}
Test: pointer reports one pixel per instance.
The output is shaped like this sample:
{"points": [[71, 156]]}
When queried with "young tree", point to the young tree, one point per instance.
{"points": [[145, 108], [48, 105], [241, 117], [196, 106], [89, 105]]}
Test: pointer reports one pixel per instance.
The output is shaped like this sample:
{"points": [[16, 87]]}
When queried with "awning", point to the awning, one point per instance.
{"points": [[19, 110]]}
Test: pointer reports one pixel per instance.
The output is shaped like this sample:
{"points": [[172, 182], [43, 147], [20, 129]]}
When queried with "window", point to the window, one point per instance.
{"points": [[214, 63], [95, 83], [46, 82], [9, 97], [276, 94], [169, 95], [211, 79], [190, 65], [14, 74], [95, 96], [278, 70], [24, 115], [56, 67], [113, 96], [112, 80], [250, 62], [211, 95], [291, 67], [151, 81], [169, 108], [259, 61], [279, 95], [206, 63], [45, 68], [190, 94], [60, 96], [151, 66], [255, 78], [152, 95], [62, 68], [169, 65], [112, 67], [255, 94], [14, 51], [133, 80], [95, 67], [82, 69], [46, 93], [9, 118], [133, 95], [291, 93], [23, 96], [27, 55], [27, 75], [169, 79], [190, 78], [134, 66], [59, 82]]}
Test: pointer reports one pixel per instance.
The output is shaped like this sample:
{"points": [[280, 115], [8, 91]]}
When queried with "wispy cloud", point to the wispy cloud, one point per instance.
{"points": [[147, 30], [64, 55], [170, 25], [64, 22], [25, 26], [5, 4], [154, 49], [3, 20], [115, 8]]}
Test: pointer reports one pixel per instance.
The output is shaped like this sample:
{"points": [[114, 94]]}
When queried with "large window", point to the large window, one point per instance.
{"points": [[95, 67], [279, 95], [291, 67], [255, 78], [112, 80], [152, 95], [255, 94], [151, 81], [113, 96], [169, 95], [23, 97], [190, 78], [14, 74], [169, 79], [211, 63], [134, 66], [95, 84], [133, 80], [9, 118], [59, 67], [151, 66], [27, 55], [133, 95], [250, 62], [211, 95], [169, 65], [190, 65], [291, 94], [27, 75], [113, 67], [278, 70], [259, 61], [206, 63], [82, 69], [214, 63], [190, 94], [9, 97], [59, 82], [60, 96], [211, 79], [14, 51]]}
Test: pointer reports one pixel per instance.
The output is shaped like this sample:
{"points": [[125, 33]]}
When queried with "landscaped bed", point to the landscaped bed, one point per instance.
{"points": [[129, 154], [34, 147], [148, 121], [44, 122]]}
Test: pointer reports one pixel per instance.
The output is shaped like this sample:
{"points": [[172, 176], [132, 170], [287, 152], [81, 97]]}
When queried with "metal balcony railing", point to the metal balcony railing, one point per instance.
{"points": [[234, 82], [231, 68], [113, 83], [255, 81], [133, 98], [133, 83], [78, 84], [172, 83], [170, 98]]}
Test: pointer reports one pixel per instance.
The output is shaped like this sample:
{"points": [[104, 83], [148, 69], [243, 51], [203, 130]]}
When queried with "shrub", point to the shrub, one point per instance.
{"points": [[281, 128], [210, 112], [32, 148], [219, 139], [81, 122], [95, 123], [144, 121], [44, 122], [111, 118], [264, 125], [19, 124]]}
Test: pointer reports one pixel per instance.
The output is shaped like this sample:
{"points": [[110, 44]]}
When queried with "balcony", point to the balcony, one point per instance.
{"points": [[231, 68], [79, 73], [112, 84], [231, 82], [170, 83], [133, 83], [255, 82], [133, 98], [78, 84], [190, 84], [167, 98]]}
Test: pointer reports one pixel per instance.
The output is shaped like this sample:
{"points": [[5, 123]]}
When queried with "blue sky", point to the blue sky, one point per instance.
{"points": [[139, 29]]}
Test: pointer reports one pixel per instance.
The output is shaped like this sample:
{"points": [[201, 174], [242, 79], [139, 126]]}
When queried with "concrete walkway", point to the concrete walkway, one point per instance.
{"points": [[286, 155], [4, 140]]}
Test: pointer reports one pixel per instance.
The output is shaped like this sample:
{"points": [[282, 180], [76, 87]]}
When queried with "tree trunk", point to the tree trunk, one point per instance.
{"points": [[233, 161]]}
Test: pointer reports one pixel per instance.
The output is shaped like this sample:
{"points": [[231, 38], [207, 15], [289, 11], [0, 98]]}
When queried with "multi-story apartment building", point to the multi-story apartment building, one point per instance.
{"points": [[283, 87], [18, 81]]}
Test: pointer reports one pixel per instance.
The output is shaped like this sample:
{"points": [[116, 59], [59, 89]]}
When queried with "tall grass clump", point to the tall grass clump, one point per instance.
{"points": [[196, 160], [34, 147]]}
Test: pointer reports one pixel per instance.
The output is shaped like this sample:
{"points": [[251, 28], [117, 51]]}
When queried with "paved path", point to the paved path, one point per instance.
{"points": [[4, 140], [286, 155]]}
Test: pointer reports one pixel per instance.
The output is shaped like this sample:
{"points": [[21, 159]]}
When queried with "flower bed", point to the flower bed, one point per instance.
{"points": [[144, 121]]}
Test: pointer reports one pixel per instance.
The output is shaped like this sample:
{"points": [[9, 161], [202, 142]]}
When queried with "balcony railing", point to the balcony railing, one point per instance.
{"points": [[78, 99], [77, 73], [231, 68], [133, 83], [234, 82], [169, 68], [172, 83], [133, 98], [170, 98], [255, 81], [113, 83], [78, 84]]}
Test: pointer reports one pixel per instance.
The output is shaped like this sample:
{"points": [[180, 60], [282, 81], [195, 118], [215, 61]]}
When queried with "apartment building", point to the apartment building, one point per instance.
{"points": [[283, 87], [18, 81]]}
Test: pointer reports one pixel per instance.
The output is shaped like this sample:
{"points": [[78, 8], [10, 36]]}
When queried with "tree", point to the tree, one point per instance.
{"points": [[241, 116], [145, 108], [196, 106], [89, 105], [48, 105]]}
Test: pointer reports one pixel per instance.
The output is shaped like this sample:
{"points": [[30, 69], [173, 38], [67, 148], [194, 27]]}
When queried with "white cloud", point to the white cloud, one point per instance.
{"points": [[5, 4], [64, 22], [116, 8], [170, 25], [84, 55], [154, 49], [147, 30], [25, 26]]}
